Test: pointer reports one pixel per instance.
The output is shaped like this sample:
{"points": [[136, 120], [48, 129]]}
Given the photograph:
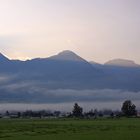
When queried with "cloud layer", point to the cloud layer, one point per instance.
{"points": [[35, 93]]}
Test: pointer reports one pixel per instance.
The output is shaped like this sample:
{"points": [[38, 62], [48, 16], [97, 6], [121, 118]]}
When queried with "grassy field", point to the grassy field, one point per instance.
{"points": [[66, 129]]}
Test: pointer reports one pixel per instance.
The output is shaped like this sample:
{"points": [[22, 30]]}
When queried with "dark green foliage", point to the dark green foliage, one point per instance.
{"points": [[128, 108], [77, 110]]}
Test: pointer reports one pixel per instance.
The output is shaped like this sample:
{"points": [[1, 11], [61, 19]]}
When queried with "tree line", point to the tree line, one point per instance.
{"points": [[128, 109]]}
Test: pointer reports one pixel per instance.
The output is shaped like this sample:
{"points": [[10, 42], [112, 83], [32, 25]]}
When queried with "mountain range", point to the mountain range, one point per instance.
{"points": [[27, 80]]}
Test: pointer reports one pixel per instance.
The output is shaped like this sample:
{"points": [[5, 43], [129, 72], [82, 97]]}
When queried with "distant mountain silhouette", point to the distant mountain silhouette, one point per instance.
{"points": [[3, 58], [67, 56], [95, 64], [67, 70], [122, 63]]}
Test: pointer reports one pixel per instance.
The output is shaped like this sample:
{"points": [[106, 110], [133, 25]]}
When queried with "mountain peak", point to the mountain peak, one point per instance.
{"points": [[67, 55], [122, 63], [3, 58], [66, 52]]}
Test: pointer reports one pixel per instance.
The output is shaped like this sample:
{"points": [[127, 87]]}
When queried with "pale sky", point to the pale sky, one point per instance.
{"points": [[97, 30]]}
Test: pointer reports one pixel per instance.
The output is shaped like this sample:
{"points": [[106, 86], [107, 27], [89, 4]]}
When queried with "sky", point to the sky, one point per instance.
{"points": [[97, 30]]}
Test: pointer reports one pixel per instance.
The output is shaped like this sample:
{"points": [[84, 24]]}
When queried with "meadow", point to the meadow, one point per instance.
{"points": [[70, 129]]}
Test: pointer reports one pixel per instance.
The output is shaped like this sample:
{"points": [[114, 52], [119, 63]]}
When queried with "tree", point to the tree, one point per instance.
{"points": [[128, 108], [77, 110], [7, 113]]}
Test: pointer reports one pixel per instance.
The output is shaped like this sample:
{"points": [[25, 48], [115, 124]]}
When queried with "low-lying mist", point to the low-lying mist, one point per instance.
{"points": [[33, 98]]}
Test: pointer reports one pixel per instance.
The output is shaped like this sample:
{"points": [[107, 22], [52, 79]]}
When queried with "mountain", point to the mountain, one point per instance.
{"points": [[122, 63], [67, 56], [36, 79], [95, 64], [66, 70], [3, 58]]}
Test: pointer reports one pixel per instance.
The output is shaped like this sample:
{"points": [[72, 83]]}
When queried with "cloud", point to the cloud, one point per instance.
{"points": [[4, 79], [34, 95], [34, 92], [93, 95]]}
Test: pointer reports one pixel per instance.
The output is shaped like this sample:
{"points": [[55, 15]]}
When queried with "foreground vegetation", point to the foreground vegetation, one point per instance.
{"points": [[70, 129]]}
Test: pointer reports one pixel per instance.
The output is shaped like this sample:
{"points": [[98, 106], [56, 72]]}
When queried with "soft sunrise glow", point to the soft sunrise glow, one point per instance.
{"points": [[97, 30]]}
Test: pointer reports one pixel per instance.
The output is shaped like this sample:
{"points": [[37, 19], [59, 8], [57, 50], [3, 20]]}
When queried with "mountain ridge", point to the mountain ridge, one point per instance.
{"points": [[121, 62], [27, 80], [71, 56], [3, 57]]}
